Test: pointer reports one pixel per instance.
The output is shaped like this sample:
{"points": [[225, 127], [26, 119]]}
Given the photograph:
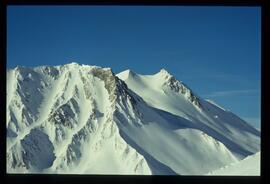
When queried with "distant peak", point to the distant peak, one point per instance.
{"points": [[126, 74], [21, 69], [130, 72], [73, 63], [162, 70], [164, 73]]}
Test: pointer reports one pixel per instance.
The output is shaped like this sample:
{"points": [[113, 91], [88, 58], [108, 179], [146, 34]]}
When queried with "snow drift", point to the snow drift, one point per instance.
{"points": [[250, 166]]}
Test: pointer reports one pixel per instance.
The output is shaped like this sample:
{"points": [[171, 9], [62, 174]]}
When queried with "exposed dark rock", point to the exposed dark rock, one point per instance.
{"points": [[179, 87], [64, 115]]}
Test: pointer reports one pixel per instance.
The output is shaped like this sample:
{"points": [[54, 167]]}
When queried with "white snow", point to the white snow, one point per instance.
{"points": [[250, 166], [92, 124], [211, 118]]}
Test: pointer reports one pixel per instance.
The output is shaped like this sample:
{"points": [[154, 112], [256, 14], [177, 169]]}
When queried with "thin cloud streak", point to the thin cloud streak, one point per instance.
{"points": [[222, 77], [254, 121], [233, 93]]}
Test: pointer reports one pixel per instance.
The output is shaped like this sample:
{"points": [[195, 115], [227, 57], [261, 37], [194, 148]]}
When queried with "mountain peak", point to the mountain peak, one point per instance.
{"points": [[162, 70], [164, 73], [126, 74], [129, 71], [73, 63], [71, 107]]}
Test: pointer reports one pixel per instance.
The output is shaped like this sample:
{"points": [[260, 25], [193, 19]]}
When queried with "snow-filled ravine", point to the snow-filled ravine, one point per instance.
{"points": [[81, 119]]}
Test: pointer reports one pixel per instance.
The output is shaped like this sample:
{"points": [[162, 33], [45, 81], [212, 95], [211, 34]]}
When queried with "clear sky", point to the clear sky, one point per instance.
{"points": [[216, 51]]}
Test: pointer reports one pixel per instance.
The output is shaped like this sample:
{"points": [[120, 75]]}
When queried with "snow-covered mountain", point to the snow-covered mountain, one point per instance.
{"points": [[85, 119], [250, 166]]}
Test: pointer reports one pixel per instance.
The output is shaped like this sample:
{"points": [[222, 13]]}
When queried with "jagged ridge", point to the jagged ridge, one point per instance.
{"points": [[88, 110]]}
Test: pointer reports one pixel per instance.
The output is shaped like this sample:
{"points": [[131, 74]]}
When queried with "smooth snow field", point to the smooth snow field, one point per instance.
{"points": [[250, 166]]}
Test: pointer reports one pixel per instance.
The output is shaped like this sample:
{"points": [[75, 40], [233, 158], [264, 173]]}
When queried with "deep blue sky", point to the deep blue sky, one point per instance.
{"points": [[214, 50]]}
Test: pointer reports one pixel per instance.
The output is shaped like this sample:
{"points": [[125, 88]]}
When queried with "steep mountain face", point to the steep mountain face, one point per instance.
{"points": [[164, 92], [85, 119]]}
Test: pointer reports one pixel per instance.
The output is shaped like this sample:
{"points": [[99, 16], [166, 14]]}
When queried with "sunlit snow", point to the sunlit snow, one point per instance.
{"points": [[80, 119]]}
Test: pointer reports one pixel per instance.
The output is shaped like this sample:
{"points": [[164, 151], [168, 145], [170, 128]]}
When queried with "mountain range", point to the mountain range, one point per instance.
{"points": [[81, 119]]}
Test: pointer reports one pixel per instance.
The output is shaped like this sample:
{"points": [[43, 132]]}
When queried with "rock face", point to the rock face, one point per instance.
{"points": [[85, 119], [179, 87]]}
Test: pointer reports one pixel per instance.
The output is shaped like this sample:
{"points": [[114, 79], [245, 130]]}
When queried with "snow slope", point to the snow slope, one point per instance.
{"points": [[175, 97], [73, 111], [249, 166], [95, 122]]}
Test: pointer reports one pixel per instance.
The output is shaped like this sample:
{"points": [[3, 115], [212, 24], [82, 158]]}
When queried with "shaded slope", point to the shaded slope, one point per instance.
{"points": [[173, 96], [95, 123]]}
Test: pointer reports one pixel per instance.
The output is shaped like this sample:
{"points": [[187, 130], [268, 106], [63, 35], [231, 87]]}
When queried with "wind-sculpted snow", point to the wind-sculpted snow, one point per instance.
{"points": [[172, 141], [80, 119], [237, 135], [26, 93]]}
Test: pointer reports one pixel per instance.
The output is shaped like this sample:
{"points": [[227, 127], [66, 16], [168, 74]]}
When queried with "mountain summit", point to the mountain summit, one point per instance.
{"points": [[85, 119]]}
